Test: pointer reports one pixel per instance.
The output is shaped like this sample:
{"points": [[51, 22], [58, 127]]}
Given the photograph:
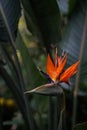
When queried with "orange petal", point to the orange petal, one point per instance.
{"points": [[50, 68], [61, 66], [59, 61], [69, 72], [56, 58]]}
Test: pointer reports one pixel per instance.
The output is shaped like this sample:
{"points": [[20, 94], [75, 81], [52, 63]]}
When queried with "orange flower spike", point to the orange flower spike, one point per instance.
{"points": [[55, 70], [50, 68], [59, 60], [56, 58], [69, 72], [61, 66]]}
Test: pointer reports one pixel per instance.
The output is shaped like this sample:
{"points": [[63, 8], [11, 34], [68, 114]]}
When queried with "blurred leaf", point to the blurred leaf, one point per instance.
{"points": [[47, 89], [12, 12], [72, 5], [81, 126], [19, 96], [9, 62], [63, 6], [16, 89], [17, 120], [72, 42], [13, 48], [66, 6], [43, 20], [32, 72]]}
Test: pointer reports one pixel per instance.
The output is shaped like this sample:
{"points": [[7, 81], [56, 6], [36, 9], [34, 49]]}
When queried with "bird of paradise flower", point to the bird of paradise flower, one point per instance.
{"points": [[55, 72]]}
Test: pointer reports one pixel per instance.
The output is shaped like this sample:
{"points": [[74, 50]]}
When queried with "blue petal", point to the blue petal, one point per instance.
{"points": [[46, 76]]}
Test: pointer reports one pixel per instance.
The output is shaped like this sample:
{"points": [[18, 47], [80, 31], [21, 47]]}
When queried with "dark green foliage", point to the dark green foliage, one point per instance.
{"points": [[81, 126], [43, 19], [72, 40], [12, 12], [29, 65]]}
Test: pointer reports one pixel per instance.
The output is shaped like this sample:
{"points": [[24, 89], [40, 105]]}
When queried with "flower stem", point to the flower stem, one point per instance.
{"points": [[50, 114]]}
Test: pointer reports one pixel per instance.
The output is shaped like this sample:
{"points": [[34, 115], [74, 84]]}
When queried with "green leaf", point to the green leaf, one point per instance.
{"points": [[43, 20], [16, 89], [18, 120], [63, 6], [72, 40], [72, 5], [81, 126], [12, 44], [12, 12], [33, 75], [66, 6], [19, 97]]}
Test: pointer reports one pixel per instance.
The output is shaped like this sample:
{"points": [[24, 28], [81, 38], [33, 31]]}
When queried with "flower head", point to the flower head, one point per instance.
{"points": [[56, 74], [55, 69]]}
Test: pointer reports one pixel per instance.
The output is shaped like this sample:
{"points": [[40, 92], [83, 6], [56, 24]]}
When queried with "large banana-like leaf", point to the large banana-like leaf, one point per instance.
{"points": [[12, 12], [19, 96], [33, 76], [43, 19], [17, 88], [72, 41]]}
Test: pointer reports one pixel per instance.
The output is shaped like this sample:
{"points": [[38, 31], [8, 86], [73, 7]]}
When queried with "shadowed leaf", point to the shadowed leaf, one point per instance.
{"points": [[12, 10], [81, 126], [43, 20], [72, 42], [33, 75], [63, 6], [19, 97]]}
